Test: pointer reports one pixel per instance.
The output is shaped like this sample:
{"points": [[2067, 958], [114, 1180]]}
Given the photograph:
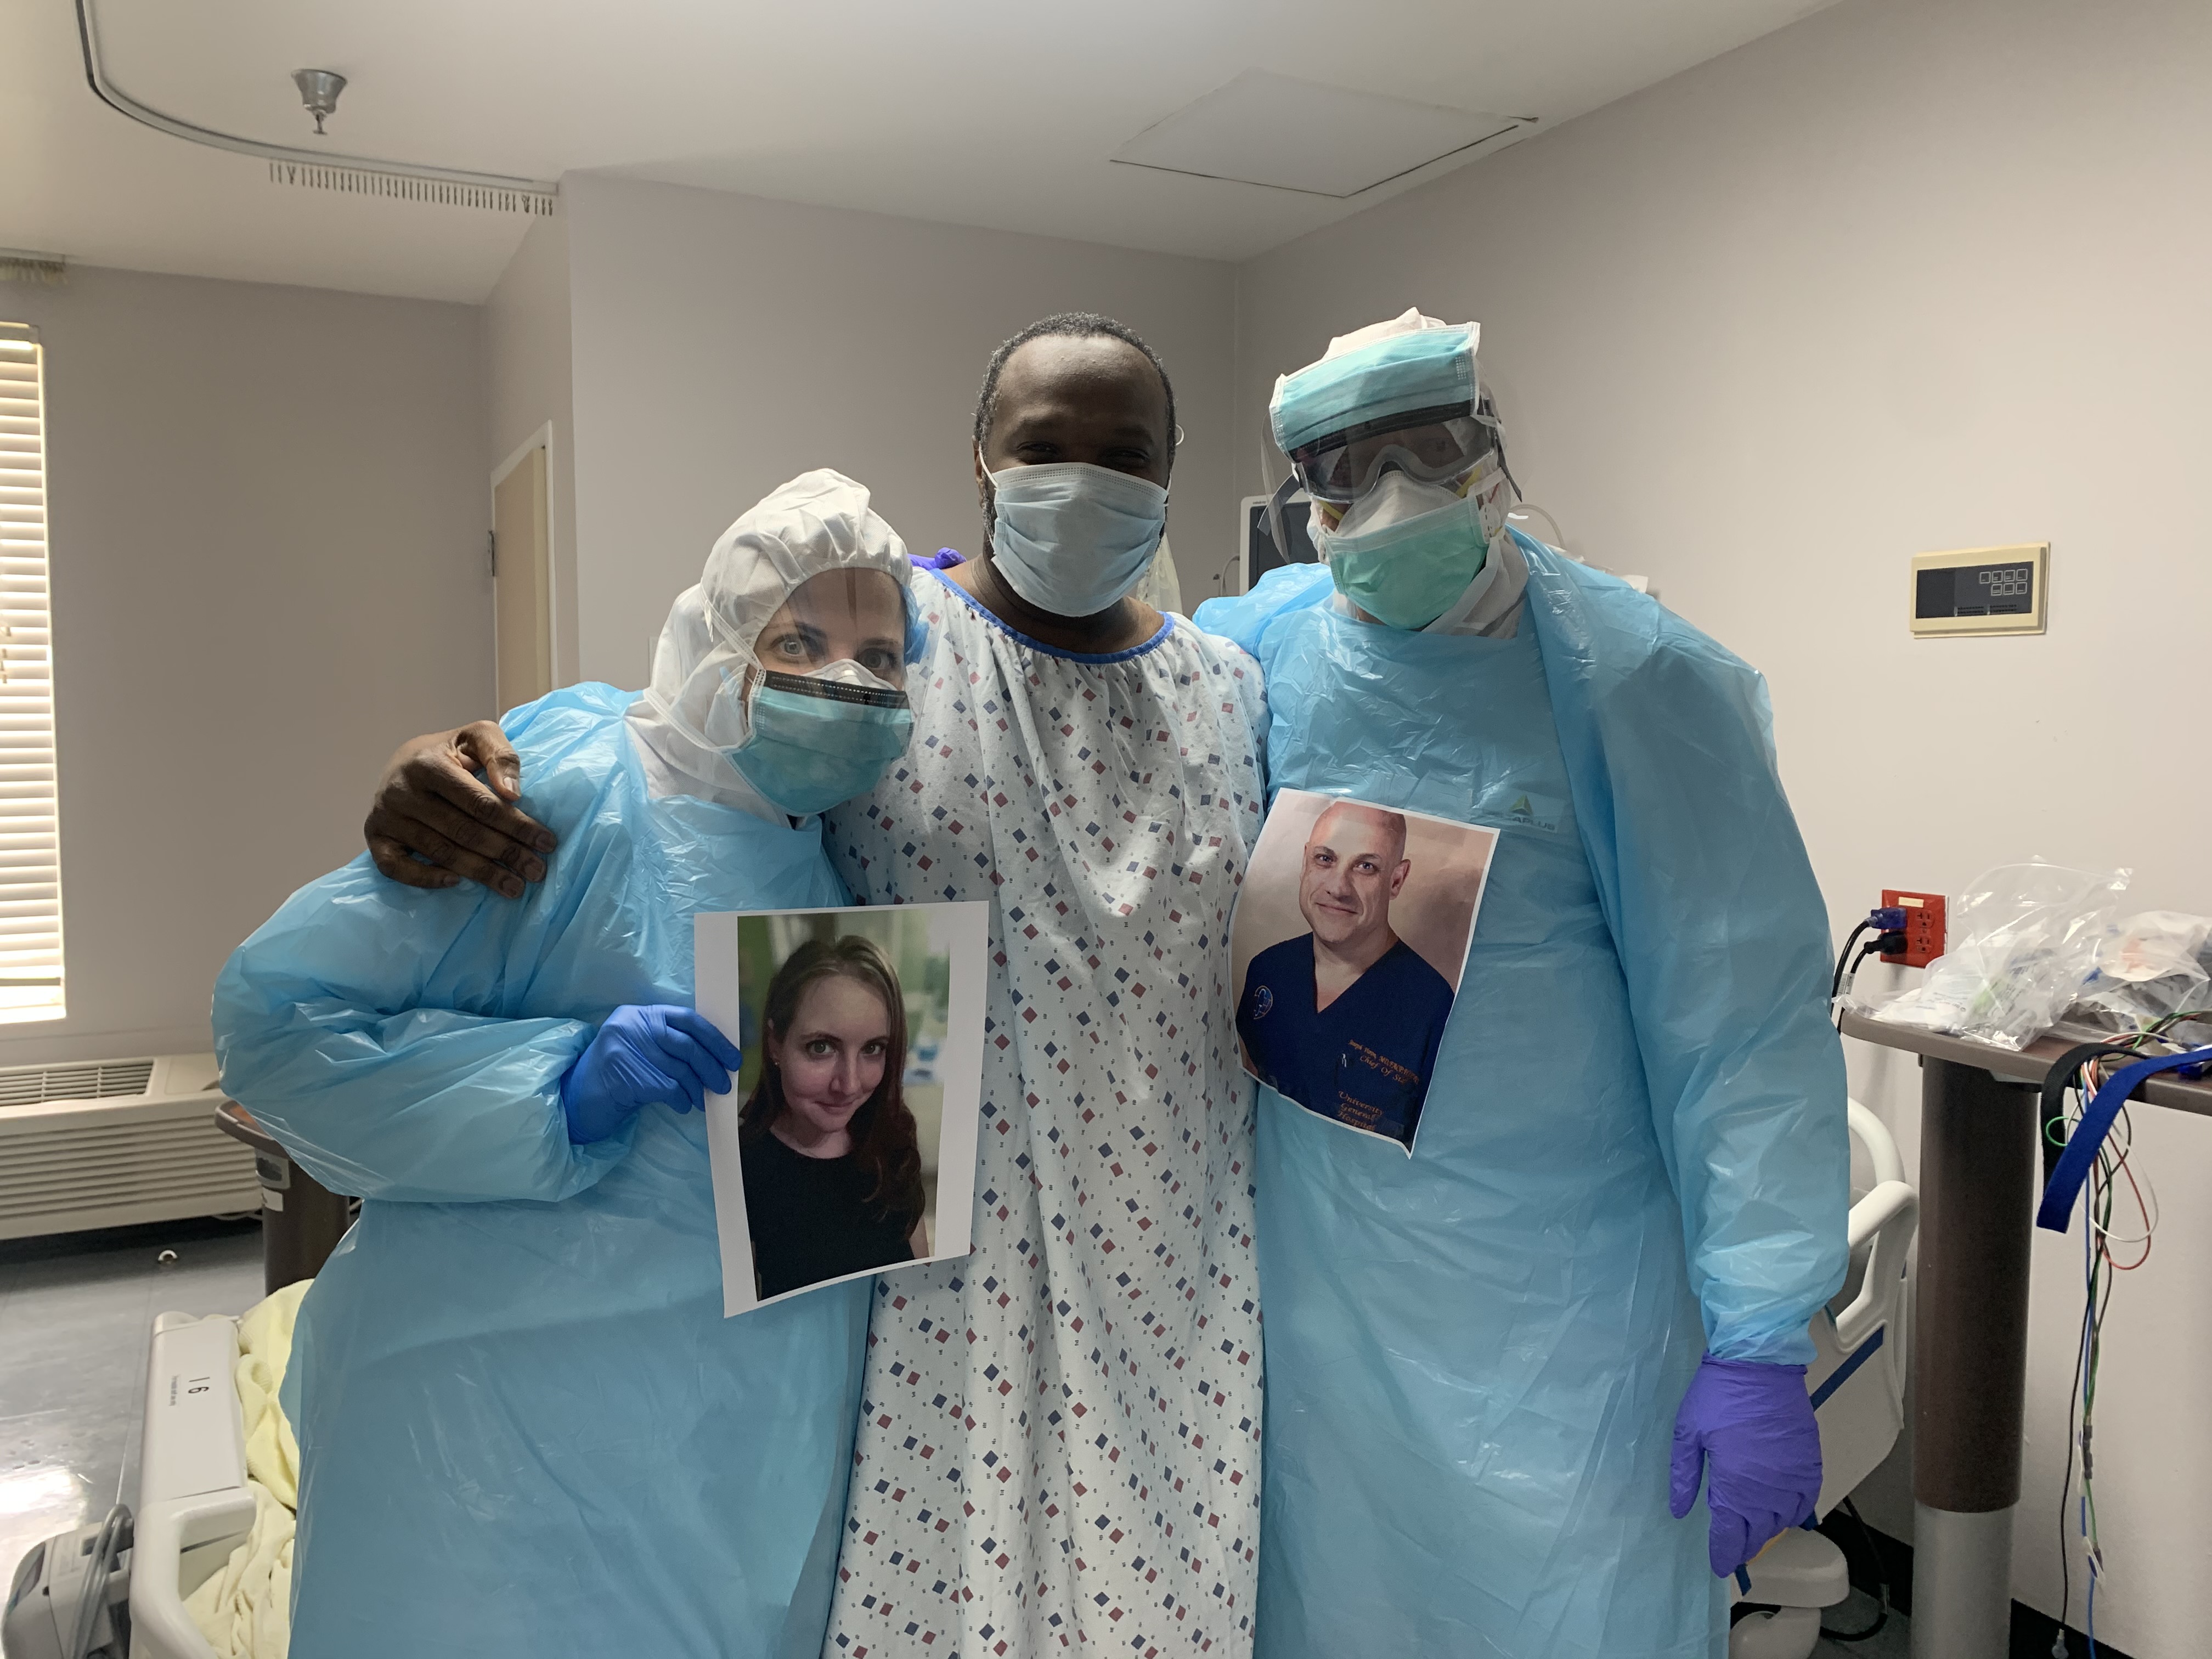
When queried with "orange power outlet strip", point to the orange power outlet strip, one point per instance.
{"points": [[1923, 926]]}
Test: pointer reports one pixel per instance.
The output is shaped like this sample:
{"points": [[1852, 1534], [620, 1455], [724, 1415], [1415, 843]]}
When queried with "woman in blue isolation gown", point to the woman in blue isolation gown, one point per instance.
{"points": [[526, 1426]]}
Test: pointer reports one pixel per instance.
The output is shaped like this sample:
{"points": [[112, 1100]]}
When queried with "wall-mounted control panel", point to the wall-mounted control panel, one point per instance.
{"points": [[1981, 590]]}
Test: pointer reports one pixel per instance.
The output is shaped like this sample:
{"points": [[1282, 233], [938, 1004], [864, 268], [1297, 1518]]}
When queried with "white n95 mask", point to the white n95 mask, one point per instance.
{"points": [[1406, 550], [1072, 538], [1395, 498]]}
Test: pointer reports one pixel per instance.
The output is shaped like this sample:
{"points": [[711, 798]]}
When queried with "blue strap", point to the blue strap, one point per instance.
{"points": [[2073, 1163], [1842, 1374]]}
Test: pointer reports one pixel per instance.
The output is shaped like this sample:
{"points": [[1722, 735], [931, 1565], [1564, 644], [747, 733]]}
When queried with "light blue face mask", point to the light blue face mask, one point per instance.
{"points": [[1071, 539], [817, 741]]}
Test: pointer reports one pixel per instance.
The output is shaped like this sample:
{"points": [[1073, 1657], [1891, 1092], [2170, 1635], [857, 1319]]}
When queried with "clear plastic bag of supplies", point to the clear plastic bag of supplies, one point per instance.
{"points": [[2149, 968], [2025, 937]]}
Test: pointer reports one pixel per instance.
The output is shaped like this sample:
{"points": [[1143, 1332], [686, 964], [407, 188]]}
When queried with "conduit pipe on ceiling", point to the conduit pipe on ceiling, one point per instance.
{"points": [[320, 169]]}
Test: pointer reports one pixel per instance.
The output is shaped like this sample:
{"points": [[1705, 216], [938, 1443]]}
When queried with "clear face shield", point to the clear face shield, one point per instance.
{"points": [[839, 620]]}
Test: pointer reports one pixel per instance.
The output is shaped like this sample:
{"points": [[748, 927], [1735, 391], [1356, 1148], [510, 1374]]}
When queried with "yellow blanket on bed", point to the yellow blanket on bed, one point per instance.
{"points": [[246, 1610]]}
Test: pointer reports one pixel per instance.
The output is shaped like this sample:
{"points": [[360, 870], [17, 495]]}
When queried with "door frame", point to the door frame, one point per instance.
{"points": [[543, 438]]}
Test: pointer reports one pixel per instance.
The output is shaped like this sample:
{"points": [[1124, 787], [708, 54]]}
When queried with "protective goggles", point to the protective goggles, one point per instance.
{"points": [[1436, 445]]}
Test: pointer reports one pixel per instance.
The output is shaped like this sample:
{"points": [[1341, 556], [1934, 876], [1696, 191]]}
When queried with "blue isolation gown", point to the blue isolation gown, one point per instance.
{"points": [[525, 1425], [1474, 1357]]}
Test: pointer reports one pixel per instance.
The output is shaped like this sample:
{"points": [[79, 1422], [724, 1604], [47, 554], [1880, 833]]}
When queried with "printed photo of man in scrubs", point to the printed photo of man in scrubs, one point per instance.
{"points": [[1346, 1018]]}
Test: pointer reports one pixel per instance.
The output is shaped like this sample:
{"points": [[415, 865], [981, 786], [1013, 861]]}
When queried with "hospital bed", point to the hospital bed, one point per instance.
{"points": [[1857, 1383], [194, 1508], [193, 1504]]}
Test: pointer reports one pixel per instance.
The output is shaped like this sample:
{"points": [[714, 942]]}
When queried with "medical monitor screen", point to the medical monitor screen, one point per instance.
{"points": [[1260, 553]]}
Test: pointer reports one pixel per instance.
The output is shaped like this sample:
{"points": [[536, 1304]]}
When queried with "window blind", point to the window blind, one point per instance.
{"points": [[30, 853]]}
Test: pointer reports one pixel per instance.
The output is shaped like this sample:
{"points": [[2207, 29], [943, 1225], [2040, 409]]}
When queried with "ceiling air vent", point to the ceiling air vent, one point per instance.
{"points": [[1288, 134]]}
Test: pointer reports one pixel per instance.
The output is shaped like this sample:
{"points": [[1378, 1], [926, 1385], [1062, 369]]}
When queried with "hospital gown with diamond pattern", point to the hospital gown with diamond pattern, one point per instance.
{"points": [[1058, 1444]]}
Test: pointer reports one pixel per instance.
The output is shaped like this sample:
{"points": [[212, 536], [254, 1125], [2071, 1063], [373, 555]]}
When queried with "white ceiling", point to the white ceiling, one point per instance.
{"points": [[995, 112]]}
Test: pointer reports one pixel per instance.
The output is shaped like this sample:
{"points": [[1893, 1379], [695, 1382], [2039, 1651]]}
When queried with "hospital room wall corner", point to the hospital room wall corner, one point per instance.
{"points": [[530, 392], [239, 630], [1765, 330]]}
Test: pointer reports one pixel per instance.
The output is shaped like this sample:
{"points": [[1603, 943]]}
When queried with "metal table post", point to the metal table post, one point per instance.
{"points": [[1979, 1180], [1969, 1355], [301, 1219]]}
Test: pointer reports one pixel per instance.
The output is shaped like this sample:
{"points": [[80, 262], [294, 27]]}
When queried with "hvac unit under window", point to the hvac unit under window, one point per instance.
{"points": [[114, 1142]]}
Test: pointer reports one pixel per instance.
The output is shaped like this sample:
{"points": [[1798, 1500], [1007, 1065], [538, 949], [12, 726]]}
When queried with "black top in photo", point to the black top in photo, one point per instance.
{"points": [[810, 1219]]}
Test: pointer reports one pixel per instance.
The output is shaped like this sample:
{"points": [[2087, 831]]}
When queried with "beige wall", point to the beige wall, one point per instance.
{"points": [[724, 344], [528, 364], [1907, 276], [267, 513]]}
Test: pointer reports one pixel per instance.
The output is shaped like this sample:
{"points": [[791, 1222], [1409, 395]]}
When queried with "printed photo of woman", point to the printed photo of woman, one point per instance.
{"points": [[831, 1154]]}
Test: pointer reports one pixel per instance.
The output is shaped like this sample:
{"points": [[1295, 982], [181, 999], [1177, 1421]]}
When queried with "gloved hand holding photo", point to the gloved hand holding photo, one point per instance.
{"points": [[1749, 1429], [641, 1054]]}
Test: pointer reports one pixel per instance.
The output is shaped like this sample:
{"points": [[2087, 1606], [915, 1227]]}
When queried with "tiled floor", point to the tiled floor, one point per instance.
{"points": [[77, 1316]]}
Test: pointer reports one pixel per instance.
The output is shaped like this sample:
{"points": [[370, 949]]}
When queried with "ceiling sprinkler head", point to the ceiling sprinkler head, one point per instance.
{"points": [[319, 91]]}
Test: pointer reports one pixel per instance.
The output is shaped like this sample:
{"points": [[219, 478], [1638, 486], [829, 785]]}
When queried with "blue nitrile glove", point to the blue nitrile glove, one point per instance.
{"points": [[641, 1054], [1751, 1428], [944, 559]]}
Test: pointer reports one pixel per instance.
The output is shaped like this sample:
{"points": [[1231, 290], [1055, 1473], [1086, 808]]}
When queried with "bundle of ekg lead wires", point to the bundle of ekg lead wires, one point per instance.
{"points": [[2120, 1213]]}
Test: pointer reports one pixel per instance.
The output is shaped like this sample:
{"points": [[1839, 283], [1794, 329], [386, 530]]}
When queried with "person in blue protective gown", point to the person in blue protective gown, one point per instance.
{"points": [[1346, 1018], [1089, 767], [1498, 1371], [526, 1426]]}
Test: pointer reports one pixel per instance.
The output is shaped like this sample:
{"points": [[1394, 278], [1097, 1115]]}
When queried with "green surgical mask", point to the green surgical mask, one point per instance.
{"points": [[1408, 574]]}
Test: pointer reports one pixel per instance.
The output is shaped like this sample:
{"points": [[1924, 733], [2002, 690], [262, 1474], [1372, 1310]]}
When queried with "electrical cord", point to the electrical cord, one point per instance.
{"points": [[1887, 924], [1881, 944], [1836, 984], [2077, 1071], [113, 1539]]}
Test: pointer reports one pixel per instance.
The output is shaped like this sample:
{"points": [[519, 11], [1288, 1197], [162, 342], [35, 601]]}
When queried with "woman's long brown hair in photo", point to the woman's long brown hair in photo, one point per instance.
{"points": [[886, 1142]]}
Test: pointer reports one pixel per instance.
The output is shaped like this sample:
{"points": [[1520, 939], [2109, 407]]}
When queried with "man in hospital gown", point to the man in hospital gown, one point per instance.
{"points": [[1058, 1433], [1058, 1440]]}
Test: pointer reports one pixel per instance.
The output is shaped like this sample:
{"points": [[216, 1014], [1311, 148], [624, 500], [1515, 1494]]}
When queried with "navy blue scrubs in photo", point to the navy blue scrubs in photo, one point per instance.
{"points": [[1367, 1058]]}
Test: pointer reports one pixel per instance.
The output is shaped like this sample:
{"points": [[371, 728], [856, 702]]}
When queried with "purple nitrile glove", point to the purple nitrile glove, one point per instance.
{"points": [[1750, 1429], [944, 559], [641, 1054]]}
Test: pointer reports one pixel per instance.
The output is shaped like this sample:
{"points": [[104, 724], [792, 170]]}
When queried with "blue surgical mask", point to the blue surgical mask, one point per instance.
{"points": [[1072, 538], [817, 740]]}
